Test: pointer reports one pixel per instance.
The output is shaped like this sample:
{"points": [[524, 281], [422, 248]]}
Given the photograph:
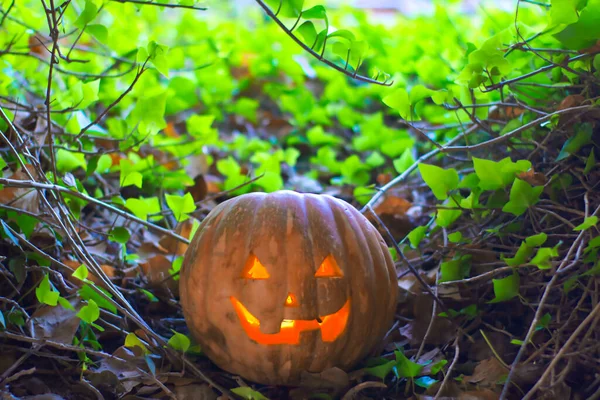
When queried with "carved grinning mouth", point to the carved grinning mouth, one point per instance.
{"points": [[331, 326]]}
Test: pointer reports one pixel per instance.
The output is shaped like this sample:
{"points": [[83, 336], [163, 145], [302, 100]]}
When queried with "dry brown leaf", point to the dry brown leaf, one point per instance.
{"points": [[171, 131], [487, 373], [441, 330], [108, 270], [393, 205], [129, 373], [156, 270], [199, 189], [37, 44], [485, 394], [174, 246], [24, 198], [195, 391], [572, 100], [533, 178], [383, 179], [55, 323]]}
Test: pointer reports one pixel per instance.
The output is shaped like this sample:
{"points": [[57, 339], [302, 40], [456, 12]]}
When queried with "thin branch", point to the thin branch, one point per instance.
{"points": [[506, 136], [56, 188], [410, 169], [314, 53], [165, 5], [562, 351]]}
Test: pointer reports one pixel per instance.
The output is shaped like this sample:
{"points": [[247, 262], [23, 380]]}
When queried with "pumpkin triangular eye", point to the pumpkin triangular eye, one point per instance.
{"points": [[329, 269], [254, 269]]}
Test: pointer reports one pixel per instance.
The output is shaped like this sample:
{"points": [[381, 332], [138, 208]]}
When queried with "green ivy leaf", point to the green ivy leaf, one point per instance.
{"points": [[440, 180], [90, 312], [591, 160], [405, 161], [181, 205], [308, 31], [128, 175], [425, 382], [81, 273], [381, 371], [543, 257], [506, 288], [522, 196], [45, 293], [65, 303], [248, 393], [416, 236], [580, 139], [563, 12], [521, 257], [99, 31], [119, 234], [131, 341], [406, 368], [399, 101], [456, 269], [67, 161], [536, 240], [587, 223], [143, 207], [318, 137], [543, 322], [158, 57], [179, 342], [87, 293], [585, 31], [437, 367], [455, 237], [375, 160], [87, 15]]}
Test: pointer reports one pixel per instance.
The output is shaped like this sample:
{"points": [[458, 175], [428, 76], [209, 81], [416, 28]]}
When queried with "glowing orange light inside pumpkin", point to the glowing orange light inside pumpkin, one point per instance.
{"points": [[290, 300], [329, 269], [254, 269], [331, 326]]}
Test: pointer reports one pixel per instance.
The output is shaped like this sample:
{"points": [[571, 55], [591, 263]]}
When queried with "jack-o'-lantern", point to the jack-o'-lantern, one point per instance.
{"points": [[276, 284]]}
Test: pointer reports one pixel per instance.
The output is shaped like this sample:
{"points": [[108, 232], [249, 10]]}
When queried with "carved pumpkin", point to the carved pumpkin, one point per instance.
{"points": [[277, 284]]}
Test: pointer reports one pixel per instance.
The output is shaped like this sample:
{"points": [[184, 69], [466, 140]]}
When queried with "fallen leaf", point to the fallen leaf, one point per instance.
{"points": [[171, 131], [195, 392], [572, 100], [110, 272], [156, 270], [55, 323], [24, 198], [393, 205], [174, 246], [485, 394], [488, 372], [533, 178], [125, 365], [199, 189]]}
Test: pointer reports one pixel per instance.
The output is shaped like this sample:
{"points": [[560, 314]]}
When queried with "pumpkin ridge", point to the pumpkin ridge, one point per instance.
{"points": [[349, 223], [381, 268], [306, 206], [219, 229]]}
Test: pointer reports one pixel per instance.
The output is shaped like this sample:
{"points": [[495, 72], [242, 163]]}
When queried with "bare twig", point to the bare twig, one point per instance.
{"points": [[164, 5], [313, 53]]}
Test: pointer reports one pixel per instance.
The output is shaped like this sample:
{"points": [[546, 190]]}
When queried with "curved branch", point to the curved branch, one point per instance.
{"points": [[164, 5], [316, 55]]}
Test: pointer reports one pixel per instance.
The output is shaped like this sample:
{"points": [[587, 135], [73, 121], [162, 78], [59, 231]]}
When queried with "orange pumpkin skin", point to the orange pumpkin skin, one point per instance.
{"points": [[275, 285]]}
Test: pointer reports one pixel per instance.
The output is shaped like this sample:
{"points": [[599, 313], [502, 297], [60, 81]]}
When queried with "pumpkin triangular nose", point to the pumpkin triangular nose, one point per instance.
{"points": [[291, 301]]}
